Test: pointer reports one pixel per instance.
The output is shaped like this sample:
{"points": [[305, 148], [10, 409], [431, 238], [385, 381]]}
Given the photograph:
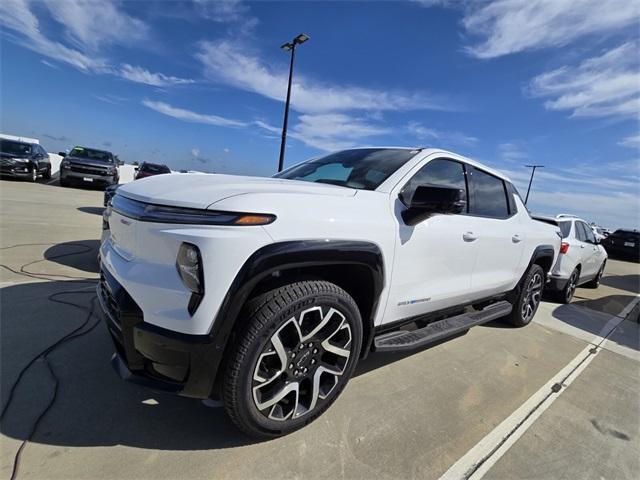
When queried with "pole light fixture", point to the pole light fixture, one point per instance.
{"points": [[289, 47], [531, 179]]}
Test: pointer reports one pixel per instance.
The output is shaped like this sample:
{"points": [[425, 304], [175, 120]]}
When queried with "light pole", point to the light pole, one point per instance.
{"points": [[526, 199], [289, 46]]}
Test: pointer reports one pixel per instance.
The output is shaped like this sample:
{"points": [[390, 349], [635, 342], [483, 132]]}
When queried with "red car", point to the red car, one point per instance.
{"points": [[149, 169]]}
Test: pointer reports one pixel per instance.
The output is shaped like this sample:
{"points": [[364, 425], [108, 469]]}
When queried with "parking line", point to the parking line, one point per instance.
{"points": [[477, 461]]}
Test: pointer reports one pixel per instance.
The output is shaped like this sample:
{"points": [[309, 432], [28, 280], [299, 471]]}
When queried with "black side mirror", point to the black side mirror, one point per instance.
{"points": [[428, 200], [62, 154]]}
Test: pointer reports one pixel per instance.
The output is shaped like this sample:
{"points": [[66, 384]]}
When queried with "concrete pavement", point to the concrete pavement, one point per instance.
{"points": [[400, 417]]}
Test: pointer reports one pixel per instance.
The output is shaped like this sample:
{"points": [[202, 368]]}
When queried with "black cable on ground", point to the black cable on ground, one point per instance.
{"points": [[73, 334]]}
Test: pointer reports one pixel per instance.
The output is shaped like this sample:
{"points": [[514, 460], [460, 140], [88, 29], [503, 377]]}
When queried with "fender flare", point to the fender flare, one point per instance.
{"points": [[287, 255]]}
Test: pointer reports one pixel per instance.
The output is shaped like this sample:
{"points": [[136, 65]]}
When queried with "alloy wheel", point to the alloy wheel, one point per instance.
{"points": [[34, 174], [302, 363], [571, 286], [532, 296]]}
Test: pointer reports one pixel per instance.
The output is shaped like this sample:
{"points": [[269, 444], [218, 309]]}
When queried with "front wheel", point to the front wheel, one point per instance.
{"points": [[528, 298], [296, 354], [47, 173]]}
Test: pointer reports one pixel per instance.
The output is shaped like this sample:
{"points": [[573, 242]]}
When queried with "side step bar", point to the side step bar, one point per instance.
{"points": [[402, 340]]}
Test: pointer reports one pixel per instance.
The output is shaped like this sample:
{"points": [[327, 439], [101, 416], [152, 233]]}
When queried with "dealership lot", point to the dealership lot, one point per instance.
{"points": [[412, 416]]}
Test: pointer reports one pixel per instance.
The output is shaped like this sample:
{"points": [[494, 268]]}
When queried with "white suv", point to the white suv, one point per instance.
{"points": [[582, 259], [266, 291]]}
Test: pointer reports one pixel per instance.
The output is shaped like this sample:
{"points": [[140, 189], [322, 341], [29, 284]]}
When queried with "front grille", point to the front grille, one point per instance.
{"points": [[87, 169]]}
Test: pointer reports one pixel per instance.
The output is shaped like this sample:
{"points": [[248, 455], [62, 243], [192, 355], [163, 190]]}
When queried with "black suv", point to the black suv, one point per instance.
{"points": [[24, 160], [89, 166], [623, 243]]}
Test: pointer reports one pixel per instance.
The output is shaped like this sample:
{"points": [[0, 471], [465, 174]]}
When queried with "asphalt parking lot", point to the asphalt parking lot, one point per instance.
{"points": [[557, 399]]}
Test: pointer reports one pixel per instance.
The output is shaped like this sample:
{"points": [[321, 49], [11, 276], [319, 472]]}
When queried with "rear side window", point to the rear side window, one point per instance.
{"points": [[439, 173], [565, 228], [581, 232], [489, 195]]}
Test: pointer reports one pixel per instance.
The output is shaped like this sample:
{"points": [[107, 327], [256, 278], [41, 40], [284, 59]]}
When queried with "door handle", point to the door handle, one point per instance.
{"points": [[469, 237], [516, 238]]}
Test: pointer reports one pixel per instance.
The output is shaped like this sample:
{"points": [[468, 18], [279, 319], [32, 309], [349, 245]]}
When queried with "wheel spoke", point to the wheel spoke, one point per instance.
{"points": [[324, 320]]}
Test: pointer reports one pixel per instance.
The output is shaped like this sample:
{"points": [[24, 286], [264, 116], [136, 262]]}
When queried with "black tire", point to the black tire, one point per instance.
{"points": [[47, 173], [527, 300], [595, 283], [566, 294], [33, 178], [268, 317]]}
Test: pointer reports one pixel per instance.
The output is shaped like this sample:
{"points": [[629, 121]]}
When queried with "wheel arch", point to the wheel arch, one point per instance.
{"points": [[355, 266]]}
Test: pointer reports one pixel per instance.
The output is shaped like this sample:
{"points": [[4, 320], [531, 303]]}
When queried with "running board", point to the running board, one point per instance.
{"points": [[402, 340]]}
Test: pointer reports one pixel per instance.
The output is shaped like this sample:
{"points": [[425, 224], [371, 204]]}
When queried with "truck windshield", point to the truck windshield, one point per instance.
{"points": [[363, 168], [80, 152], [10, 147]]}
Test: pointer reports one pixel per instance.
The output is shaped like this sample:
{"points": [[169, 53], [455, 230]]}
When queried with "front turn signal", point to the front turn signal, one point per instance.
{"points": [[254, 219]]}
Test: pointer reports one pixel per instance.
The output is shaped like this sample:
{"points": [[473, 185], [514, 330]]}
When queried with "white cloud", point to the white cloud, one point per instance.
{"points": [[606, 85], [91, 24], [632, 141], [16, 16], [334, 131], [189, 116], [224, 61], [195, 152], [140, 75], [512, 152], [509, 26], [222, 10], [607, 197], [424, 133]]}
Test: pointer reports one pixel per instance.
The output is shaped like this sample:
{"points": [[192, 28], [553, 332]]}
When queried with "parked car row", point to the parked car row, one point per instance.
{"points": [[23, 159]]}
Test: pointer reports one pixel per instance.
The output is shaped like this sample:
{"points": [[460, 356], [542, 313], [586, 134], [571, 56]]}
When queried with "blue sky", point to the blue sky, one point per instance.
{"points": [[200, 85]]}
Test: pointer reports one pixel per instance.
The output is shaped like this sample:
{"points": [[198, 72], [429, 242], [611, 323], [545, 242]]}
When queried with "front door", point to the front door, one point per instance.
{"points": [[434, 259]]}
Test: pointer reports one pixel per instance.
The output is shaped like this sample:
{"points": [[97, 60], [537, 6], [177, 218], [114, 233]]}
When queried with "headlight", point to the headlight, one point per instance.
{"points": [[189, 265], [65, 164], [111, 170]]}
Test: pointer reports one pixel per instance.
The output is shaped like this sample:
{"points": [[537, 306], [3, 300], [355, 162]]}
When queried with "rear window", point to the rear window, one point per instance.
{"points": [[565, 228], [626, 234], [153, 168]]}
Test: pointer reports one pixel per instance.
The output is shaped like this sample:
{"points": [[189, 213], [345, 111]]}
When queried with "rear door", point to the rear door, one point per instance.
{"points": [[500, 235], [590, 257]]}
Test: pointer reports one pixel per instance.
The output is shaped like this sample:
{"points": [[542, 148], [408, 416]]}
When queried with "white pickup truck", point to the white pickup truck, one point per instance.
{"points": [[265, 292]]}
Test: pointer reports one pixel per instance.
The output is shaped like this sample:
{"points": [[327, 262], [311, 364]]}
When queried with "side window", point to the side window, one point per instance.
{"points": [[489, 195], [580, 233], [440, 173], [591, 238]]}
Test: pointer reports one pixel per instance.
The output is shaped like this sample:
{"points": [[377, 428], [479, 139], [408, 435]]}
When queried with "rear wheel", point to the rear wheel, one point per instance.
{"points": [[595, 283], [566, 294], [528, 299], [295, 356]]}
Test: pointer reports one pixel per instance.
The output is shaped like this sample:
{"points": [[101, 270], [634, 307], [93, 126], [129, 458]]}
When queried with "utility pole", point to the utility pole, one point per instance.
{"points": [[531, 179], [289, 47]]}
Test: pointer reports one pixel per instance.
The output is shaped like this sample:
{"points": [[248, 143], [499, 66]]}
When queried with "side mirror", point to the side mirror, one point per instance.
{"points": [[428, 200], [62, 154]]}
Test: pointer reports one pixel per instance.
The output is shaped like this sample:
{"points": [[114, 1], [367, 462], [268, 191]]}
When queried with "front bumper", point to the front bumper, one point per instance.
{"points": [[22, 170], [152, 356], [88, 178]]}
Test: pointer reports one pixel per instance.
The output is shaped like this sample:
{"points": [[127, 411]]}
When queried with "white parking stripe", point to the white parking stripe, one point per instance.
{"points": [[477, 461]]}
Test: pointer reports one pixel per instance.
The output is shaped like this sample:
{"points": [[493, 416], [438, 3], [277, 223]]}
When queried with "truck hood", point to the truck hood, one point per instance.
{"points": [[202, 190]]}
